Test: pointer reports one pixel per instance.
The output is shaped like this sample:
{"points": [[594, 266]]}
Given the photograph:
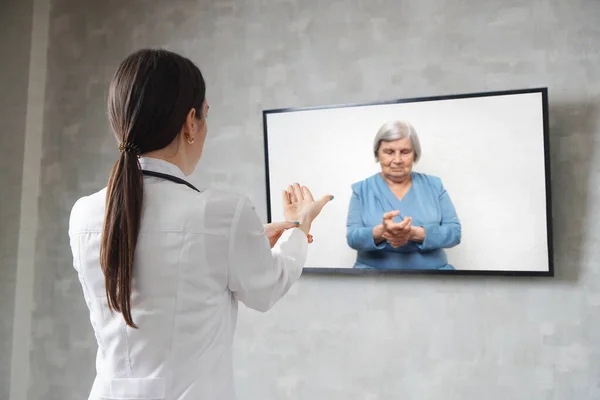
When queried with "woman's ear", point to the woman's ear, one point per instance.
{"points": [[190, 121]]}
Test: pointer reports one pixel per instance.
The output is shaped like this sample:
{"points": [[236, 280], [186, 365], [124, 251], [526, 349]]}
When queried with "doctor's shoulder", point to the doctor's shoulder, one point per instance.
{"points": [[223, 198], [87, 213], [218, 208]]}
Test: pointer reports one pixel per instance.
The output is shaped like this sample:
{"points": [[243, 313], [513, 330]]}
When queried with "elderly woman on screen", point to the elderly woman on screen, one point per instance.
{"points": [[398, 218]]}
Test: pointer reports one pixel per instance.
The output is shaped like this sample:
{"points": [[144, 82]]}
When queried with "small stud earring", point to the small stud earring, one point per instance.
{"points": [[190, 141]]}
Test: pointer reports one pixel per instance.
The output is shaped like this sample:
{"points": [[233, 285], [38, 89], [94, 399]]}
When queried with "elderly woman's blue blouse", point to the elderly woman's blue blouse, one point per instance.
{"points": [[429, 205]]}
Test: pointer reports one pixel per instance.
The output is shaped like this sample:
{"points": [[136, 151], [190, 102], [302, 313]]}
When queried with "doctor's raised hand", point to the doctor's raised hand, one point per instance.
{"points": [[300, 209], [300, 206]]}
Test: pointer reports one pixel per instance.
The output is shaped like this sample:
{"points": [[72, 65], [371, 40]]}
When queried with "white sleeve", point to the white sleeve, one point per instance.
{"points": [[257, 275]]}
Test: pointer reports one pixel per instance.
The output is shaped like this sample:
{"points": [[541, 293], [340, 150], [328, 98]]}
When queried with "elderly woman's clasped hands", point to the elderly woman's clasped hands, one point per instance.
{"points": [[397, 234]]}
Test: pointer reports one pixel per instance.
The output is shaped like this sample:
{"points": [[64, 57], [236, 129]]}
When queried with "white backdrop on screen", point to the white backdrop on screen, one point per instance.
{"points": [[488, 151]]}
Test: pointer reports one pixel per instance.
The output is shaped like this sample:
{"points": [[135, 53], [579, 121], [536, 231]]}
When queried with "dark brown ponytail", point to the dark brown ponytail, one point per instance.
{"points": [[121, 228], [149, 98]]}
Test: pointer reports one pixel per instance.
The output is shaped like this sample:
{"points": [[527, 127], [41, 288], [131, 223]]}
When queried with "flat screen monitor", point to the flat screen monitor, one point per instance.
{"points": [[456, 184]]}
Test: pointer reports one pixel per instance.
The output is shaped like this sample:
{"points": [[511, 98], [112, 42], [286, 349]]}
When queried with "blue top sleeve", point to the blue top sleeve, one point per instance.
{"points": [[446, 233], [358, 236]]}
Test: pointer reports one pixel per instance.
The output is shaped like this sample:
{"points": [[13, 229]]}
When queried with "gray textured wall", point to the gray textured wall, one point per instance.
{"points": [[15, 20], [333, 337]]}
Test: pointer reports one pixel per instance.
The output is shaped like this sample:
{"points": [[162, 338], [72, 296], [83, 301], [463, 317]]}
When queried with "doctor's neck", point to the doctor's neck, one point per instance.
{"points": [[174, 153]]}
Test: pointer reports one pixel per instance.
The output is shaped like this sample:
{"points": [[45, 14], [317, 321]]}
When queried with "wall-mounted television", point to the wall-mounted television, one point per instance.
{"points": [[460, 184]]}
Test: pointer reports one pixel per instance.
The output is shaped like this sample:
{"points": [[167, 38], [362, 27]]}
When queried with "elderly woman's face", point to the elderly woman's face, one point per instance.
{"points": [[396, 158]]}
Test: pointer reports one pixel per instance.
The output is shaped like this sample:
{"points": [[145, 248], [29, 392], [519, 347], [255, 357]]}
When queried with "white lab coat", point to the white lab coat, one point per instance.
{"points": [[197, 255]]}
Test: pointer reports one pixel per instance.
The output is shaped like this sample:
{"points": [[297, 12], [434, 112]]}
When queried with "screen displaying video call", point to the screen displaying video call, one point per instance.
{"points": [[458, 183]]}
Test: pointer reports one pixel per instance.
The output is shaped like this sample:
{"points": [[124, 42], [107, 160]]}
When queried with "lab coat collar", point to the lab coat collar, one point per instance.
{"points": [[158, 165]]}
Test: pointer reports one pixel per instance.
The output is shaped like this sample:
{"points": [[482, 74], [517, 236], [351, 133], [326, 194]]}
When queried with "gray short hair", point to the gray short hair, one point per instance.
{"points": [[395, 130]]}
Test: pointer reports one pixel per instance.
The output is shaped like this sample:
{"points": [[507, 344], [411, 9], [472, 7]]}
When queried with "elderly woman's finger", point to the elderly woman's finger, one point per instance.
{"points": [[397, 226], [391, 214]]}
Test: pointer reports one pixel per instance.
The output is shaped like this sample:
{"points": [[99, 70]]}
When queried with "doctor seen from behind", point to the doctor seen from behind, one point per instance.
{"points": [[163, 264]]}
